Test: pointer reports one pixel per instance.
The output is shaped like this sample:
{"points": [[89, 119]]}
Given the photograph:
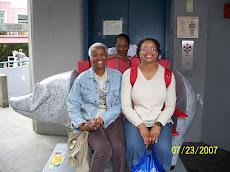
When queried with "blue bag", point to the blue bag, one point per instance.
{"points": [[148, 163]]}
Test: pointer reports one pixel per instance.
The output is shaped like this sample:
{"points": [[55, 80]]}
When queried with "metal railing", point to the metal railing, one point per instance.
{"points": [[6, 64]]}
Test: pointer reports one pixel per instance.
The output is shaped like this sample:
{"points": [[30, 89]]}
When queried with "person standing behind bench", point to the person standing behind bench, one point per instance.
{"points": [[122, 48], [94, 105], [146, 123]]}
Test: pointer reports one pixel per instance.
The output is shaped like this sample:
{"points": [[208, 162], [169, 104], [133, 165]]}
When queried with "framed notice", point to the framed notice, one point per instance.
{"points": [[112, 27], [187, 27]]}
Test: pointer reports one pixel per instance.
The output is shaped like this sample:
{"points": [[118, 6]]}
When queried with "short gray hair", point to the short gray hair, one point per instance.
{"points": [[93, 46]]}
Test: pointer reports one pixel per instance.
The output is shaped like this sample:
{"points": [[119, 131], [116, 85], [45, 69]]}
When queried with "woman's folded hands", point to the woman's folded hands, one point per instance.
{"points": [[90, 125]]}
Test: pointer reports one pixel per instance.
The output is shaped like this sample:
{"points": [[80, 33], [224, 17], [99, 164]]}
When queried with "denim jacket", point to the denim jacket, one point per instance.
{"points": [[83, 100]]}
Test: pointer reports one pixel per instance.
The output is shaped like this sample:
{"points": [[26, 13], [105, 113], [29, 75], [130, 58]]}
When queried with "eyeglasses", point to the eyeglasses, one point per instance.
{"points": [[149, 49]]}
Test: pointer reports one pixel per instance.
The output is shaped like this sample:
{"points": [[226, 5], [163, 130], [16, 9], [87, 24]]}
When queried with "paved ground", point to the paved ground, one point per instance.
{"points": [[23, 150]]}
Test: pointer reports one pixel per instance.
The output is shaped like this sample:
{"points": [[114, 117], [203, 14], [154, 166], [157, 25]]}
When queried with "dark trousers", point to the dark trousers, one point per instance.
{"points": [[107, 143]]}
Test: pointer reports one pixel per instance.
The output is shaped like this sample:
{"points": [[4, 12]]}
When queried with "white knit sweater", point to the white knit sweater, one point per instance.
{"points": [[149, 97]]}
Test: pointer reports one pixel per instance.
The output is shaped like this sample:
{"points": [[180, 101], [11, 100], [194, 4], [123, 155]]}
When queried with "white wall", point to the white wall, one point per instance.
{"points": [[56, 43], [57, 38], [15, 84]]}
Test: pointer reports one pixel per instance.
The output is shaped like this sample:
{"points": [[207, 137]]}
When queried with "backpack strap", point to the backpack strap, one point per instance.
{"points": [[168, 77], [133, 78], [133, 75]]}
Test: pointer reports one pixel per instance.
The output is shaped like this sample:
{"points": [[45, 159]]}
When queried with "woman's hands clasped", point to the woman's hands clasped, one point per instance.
{"points": [[154, 134], [90, 125], [144, 133], [149, 137], [124, 58]]}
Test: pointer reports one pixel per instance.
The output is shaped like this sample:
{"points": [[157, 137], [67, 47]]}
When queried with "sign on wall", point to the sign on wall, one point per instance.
{"points": [[189, 6], [187, 56], [187, 27], [112, 27]]}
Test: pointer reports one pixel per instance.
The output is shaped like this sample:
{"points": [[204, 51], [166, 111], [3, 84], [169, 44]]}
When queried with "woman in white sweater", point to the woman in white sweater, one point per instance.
{"points": [[146, 123]]}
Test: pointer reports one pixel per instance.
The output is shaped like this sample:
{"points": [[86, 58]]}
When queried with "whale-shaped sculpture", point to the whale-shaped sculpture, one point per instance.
{"points": [[47, 103]]}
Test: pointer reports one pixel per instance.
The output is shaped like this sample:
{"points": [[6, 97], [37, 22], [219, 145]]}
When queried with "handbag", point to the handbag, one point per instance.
{"points": [[148, 163], [78, 149]]}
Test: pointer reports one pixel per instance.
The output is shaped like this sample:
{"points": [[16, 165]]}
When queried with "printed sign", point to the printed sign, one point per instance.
{"points": [[187, 27], [189, 6], [112, 27], [187, 56]]}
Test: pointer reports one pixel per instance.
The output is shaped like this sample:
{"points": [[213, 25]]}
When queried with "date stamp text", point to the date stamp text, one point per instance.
{"points": [[192, 150]]}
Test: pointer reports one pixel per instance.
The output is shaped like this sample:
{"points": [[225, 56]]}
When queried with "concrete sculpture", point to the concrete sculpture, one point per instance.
{"points": [[47, 103], [187, 103]]}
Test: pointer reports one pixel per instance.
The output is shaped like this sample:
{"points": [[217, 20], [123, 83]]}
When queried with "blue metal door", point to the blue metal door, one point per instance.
{"points": [[141, 19]]}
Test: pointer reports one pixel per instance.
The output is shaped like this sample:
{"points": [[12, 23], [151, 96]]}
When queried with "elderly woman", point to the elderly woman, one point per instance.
{"points": [[94, 106], [147, 123]]}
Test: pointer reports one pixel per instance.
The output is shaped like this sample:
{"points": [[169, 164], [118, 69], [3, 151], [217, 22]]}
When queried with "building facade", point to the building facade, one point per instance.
{"points": [[12, 36], [61, 24], [13, 16]]}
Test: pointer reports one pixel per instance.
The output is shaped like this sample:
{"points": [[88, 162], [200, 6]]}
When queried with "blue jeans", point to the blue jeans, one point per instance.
{"points": [[135, 147]]}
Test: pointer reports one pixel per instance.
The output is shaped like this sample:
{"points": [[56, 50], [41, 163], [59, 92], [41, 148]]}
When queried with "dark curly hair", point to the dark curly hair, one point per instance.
{"points": [[122, 36], [148, 39]]}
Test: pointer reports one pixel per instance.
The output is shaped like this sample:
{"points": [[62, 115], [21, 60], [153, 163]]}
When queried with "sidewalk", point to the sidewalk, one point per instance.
{"points": [[23, 150]]}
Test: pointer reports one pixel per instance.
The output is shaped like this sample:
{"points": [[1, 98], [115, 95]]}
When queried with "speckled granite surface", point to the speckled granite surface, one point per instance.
{"points": [[187, 103], [47, 103]]}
